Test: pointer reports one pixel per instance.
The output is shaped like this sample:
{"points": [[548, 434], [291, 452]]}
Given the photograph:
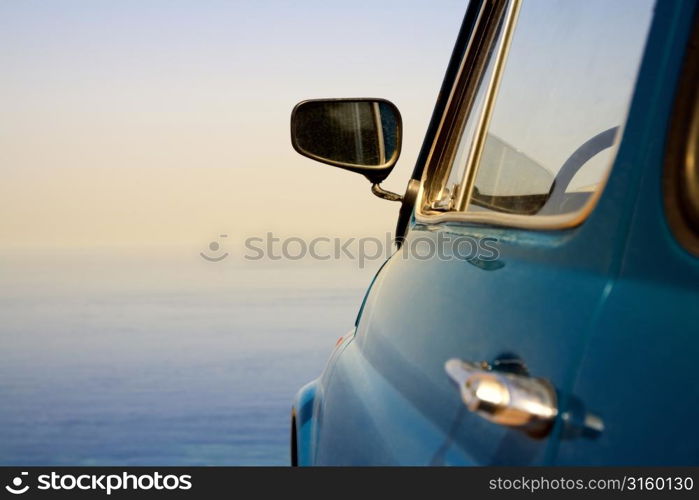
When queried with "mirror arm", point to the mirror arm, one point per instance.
{"points": [[385, 195]]}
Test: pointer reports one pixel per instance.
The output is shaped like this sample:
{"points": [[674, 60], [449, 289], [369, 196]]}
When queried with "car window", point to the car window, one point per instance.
{"points": [[562, 96]]}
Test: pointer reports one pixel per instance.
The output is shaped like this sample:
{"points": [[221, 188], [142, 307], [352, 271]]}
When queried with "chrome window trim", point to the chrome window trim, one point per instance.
{"points": [[539, 222], [681, 163], [441, 142], [536, 222], [476, 149]]}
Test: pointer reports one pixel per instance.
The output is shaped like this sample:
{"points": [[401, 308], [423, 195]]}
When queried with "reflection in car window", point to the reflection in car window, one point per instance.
{"points": [[567, 81]]}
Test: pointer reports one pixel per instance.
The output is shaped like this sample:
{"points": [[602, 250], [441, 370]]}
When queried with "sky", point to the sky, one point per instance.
{"points": [[133, 134], [146, 123]]}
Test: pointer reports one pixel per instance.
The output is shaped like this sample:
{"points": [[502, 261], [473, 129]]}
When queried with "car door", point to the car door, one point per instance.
{"points": [[639, 368], [506, 264]]}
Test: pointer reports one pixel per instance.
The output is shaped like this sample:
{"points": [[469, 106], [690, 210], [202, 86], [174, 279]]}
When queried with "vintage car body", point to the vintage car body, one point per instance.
{"points": [[603, 307]]}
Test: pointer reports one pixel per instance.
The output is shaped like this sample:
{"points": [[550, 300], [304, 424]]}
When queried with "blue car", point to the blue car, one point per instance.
{"points": [[542, 304]]}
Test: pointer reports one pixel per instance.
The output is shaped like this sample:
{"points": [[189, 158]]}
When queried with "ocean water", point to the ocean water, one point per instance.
{"points": [[129, 358]]}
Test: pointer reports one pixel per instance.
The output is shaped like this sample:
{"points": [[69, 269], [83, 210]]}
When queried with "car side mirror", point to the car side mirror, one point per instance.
{"points": [[360, 135]]}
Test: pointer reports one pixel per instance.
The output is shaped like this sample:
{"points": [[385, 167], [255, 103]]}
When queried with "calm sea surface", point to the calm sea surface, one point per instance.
{"points": [[138, 359]]}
